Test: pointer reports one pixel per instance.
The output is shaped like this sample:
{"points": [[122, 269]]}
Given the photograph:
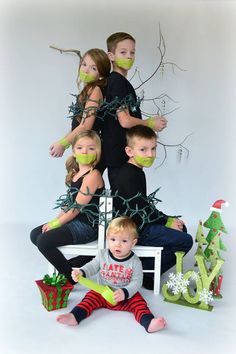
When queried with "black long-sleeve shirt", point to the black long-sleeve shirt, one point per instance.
{"points": [[131, 199], [113, 134]]}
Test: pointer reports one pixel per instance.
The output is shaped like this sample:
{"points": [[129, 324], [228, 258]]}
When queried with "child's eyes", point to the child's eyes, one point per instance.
{"points": [[93, 68], [124, 241], [92, 149], [124, 52], [144, 150]]}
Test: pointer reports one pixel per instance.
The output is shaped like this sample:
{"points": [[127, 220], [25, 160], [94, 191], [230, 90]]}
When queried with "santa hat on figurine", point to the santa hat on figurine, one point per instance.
{"points": [[217, 205], [214, 222]]}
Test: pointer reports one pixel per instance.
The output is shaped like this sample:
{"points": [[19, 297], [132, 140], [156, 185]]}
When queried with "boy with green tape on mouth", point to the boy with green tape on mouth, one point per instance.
{"points": [[155, 228], [121, 52]]}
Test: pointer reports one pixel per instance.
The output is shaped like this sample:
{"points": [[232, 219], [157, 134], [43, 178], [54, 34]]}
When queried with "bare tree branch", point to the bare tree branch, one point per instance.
{"points": [[146, 114], [180, 147], [161, 96], [76, 51], [162, 51]]}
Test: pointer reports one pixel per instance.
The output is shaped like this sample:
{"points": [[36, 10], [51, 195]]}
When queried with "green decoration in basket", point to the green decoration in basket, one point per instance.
{"points": [[103, 290]]}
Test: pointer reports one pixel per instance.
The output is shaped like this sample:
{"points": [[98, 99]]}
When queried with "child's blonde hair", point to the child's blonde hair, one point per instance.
{"points": [[116, 38], [72, 166], [123, 223], [140, 132]]}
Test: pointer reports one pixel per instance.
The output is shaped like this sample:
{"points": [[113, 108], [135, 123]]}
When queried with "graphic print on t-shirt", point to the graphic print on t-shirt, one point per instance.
{"points": [[116, 273]]}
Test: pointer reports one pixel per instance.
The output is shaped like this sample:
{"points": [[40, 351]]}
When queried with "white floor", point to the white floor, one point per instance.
{"points": [[27, 328]]}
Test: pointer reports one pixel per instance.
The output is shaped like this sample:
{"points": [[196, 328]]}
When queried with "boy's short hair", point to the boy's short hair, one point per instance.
{"points": [[115, 38], [141, 132], [122, 223]]}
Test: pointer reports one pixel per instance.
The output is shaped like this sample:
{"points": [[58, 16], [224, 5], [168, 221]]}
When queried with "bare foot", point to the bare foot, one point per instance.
{"points": [[68, 319], [156, 324]]}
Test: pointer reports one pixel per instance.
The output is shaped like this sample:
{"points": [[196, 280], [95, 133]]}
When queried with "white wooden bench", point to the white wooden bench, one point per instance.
{"points": [[91, 249]]}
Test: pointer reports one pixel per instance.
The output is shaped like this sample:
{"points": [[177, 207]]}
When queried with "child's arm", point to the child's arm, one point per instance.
{"points": [[58, 148], [76, 274], [91, 183], [175, 223], [88, 270], [157, 123], [119, 295], [135, 282], [89, 115], [92, 267]]}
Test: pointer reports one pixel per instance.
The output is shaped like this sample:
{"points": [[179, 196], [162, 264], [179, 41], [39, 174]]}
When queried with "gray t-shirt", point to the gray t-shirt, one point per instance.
{"points": [[117, 273]]}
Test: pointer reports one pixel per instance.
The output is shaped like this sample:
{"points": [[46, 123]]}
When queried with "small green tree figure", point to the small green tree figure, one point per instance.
{"points": [[200, 239], [215, 244]]}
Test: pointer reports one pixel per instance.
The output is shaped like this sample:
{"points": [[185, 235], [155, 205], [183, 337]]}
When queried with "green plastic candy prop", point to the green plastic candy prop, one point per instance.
{"points": [[103, 290]]}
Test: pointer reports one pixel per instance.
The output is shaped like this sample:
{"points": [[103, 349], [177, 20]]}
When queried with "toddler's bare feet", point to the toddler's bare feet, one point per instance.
{"points": [[156, 324], [68, 319]]}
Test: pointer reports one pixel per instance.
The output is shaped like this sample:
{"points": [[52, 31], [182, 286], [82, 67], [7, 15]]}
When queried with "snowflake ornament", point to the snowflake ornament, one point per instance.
{"points": [[195, 276], [205, 296], [177, 283]]}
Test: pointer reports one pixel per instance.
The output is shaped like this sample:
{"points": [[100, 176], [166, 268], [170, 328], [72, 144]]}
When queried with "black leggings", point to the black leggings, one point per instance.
{"points": [[47, 244]]}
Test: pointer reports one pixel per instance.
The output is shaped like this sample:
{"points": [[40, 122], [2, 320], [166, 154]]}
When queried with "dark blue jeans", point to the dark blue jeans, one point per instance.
{"points": [[75, 232], [162, 236]]}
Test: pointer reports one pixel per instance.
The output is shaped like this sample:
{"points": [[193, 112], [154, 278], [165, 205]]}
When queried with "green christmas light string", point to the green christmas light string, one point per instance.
{"points": [[104, 108], [67, 202], [113, 108], [147, 214]]}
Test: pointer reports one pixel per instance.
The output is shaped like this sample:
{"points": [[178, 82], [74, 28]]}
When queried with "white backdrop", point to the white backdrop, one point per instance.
{"points": [[37, 82]]}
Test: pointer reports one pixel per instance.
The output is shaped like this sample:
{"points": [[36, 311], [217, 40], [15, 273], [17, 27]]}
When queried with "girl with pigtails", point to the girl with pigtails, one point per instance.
{"points": [[78, 224]]}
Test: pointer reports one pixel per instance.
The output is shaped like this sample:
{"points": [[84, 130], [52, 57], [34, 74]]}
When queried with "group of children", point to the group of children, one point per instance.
{"points": [[128, 145]]}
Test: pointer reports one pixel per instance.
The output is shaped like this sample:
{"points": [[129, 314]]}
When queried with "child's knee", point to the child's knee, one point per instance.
{"points": [[34, 236], [188, 242], [42, 245]]}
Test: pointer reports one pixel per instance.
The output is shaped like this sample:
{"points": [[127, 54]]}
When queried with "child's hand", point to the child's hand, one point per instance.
{"points": [[76, 274], [56, 150], [177, 224], [45, 228], [119, 295], [160, 123]]}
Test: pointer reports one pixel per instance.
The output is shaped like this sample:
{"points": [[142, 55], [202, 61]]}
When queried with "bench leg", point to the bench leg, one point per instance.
{"points": [[51, 269], [157, 273]]}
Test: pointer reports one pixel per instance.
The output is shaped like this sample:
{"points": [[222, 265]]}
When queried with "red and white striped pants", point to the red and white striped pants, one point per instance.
{"points": [[136, 304]]}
